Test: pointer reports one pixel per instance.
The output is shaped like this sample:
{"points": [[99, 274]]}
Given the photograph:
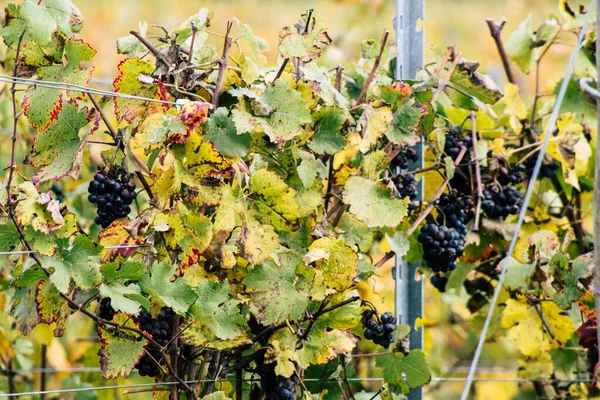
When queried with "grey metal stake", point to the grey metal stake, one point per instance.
{"points": [[410, 43]]}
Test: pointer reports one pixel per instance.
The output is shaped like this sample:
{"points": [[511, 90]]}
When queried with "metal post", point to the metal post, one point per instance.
{"points": [[410, 42]]}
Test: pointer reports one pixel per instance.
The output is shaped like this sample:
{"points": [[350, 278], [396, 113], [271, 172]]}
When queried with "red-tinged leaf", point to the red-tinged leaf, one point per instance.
{"points": [[42, 105], [119, 354], [588, 334], [127, 83], [587, 304], [116, 235], [51, 307], [57, 151]]}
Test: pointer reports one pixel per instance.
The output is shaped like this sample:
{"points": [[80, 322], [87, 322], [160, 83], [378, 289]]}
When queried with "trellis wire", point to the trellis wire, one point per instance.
{"points": [[133, 246], [528, 193], [77, 88], [164, 384]]}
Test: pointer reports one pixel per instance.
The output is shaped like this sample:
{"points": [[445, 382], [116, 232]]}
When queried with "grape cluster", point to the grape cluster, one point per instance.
{"points": [[407, 186], [455, 141], [112, 192], [105, 310], [161, 329], [548, 169], [442, 246], [456, 210], [439, 282], [286, 390], [404, 158], [501, 202], [379, 329], [513, 175], [60, 196]]}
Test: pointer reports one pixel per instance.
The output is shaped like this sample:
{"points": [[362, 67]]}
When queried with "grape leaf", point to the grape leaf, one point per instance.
{"points": [[124, 298], [278, 206], [198, 159], [200, 20], [306, 47], [119, 354], [274, 294], [221, 131], [9, 238], [117, 235], [127, 83], [370, 202], [519, 45], [217, 311], [191, 232], [307, 170], [356, 233], [372, 124], [257, 242], [131, 45], [176, 294], [338, 262], [516, 273], [328, 138], [23, 309], [411, 369], [128, 271], [42, 105], [329, 94], [79, 263], [374, 163], [57, 151], [198, 334], [289, 113], [404, 125], [51, 307]]}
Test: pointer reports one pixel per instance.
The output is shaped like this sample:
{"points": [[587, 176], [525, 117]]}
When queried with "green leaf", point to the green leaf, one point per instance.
{"points": [[477, 87], [124, 298], [200, 20], [9, 238], [274, 295], [374, 163], [221, 131], [399, 369], [520, 44], [370, 202], [356, 233], [51, 307], [278, 199], [79, 263], [131, 45], [128, 271], [516, 273], [328, 93], [289, 114], [338, 262], [216, 396], [306, 47], [176, 293], [307, 170], [449, 166], [398, 243], [119, 354], [458, 276], [57, 151], [328, 138], [403, 129], [217, 311], [42, 105]]}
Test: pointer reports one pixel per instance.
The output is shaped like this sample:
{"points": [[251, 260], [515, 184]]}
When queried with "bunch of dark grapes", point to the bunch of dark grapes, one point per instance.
{"points": [[161, 329], [549, 166], [105, 310], [439, 282], [404, 158], [455, 141], [513, 175], [112, 192], [379, 329], [441, 246], [501, 202], [286, 390], [407, 186], [456, 210], [60, 196]]}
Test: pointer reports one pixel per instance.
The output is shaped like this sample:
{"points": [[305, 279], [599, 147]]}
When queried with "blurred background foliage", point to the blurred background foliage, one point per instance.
{"points": [[451, 331]]}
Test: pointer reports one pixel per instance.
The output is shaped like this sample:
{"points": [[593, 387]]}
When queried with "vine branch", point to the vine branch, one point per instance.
{"points": [[363, 92], [495, 31], [223, 64]]}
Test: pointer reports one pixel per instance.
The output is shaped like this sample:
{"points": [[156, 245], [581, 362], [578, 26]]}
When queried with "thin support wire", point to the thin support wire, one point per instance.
{"points": [[133, 246], [78, 88], [373, 379], [528, 194]]}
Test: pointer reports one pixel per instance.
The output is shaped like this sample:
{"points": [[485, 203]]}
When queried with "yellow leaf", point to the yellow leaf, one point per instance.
{"points": [[514, 103], [372, 124]]}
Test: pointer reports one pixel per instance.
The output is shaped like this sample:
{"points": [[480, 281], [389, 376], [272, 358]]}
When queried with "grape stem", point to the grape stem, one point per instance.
{"points": [[495, 31], [223, 64], [390, 254], [363, 92], [160, 56]]}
